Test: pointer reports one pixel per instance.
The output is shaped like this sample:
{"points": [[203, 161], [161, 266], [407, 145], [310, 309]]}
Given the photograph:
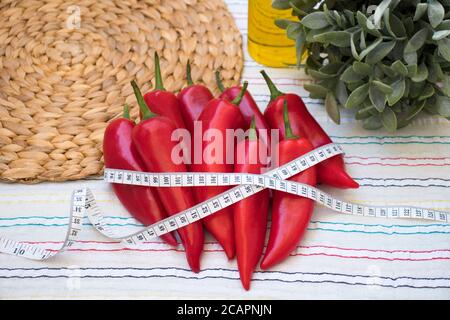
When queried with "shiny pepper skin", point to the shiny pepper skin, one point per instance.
{"points": [[152, 138], [119, 153], [331, 171]]}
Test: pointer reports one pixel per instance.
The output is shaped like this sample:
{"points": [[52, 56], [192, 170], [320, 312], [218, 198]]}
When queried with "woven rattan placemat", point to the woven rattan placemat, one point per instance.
{"points": [[65, 71]]}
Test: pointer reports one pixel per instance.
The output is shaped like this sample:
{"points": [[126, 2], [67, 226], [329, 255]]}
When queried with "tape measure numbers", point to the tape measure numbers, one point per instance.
{"points": [[83, 202]]}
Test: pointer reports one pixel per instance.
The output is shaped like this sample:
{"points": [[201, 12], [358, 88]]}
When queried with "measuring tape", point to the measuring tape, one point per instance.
{"points": [[83, 201]]}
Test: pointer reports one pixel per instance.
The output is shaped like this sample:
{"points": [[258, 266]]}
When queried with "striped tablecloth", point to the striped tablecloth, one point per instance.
{"points": [[340, 257]]}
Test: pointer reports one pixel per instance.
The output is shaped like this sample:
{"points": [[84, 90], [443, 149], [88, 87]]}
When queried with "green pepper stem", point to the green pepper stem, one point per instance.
{"points": [[287, 124], [158, 78], [239, 97], [146, 112], [219, 81], [188, 74], [126, 111], [274, 92], [252, 131]]}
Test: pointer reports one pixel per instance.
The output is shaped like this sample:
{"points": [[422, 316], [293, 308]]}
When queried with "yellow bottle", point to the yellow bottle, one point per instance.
{"points": [[267, 43]]}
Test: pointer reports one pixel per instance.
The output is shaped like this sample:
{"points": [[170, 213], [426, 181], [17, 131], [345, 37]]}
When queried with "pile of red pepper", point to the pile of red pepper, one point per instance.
{"points": [[240, 229]]}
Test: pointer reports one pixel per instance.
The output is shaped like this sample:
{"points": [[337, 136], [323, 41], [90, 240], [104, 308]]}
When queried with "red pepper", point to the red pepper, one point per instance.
{"points": [[290, 213], [193, 100], [163, 102], [331, 171], [119, 153], [152, 138], [248, 107], [219, 114], [250, 214]]}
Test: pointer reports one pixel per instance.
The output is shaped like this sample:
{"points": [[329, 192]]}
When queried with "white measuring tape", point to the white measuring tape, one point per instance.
{"points": [[83, 202]]}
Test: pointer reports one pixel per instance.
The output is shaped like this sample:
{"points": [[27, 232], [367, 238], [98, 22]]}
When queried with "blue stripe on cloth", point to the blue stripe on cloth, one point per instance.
{"points": [[312, 229], [225, 269], [312, 221]]}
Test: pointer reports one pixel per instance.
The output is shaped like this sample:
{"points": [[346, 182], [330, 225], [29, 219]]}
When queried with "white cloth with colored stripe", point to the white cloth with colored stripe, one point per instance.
{"points": [[340, 257]]}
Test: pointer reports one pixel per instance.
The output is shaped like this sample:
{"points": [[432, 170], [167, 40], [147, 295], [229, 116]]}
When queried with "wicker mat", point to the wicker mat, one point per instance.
{"points": [[65, 71]]}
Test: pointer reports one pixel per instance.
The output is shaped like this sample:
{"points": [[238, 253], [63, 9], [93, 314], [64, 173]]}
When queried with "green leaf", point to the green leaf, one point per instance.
{"points": [[372, 123], [350, 16], [427, 92], [341, 93], [297, 11], [446, 88], [353, 48], [316, 89], [436, 12], [370, 48], [331, 68], [383, 87], [407, 90], [389, 120], [410, 58], [398, 89], [397, 52], [362, 68], [354, 85], [363, 23], [332, 108], [293, 30], [281, 4], [401, 122], [412, 70], [394, 26], [409, 25], [282, 23], [337, 38], [300, 47], [422, 73], [377, 97], [438, 35], [431, 106], [444, 48], [315, 20], [329, 16], [399, 67], [319, 75], [420, 11], [365, 112], [417, 41], [379, 52], [415, 110], [385, 70], [415, 89], [329, 83], [357, 96], [339, 19], [362, 40], [311, 33], [443, 105], [445, 25], [379, 12], [349, 75], [316, 96], [437, 68]]}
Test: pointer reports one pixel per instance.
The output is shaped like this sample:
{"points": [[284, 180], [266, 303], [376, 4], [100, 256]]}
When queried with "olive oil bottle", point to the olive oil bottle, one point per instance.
{"points": [[267, 43]]}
